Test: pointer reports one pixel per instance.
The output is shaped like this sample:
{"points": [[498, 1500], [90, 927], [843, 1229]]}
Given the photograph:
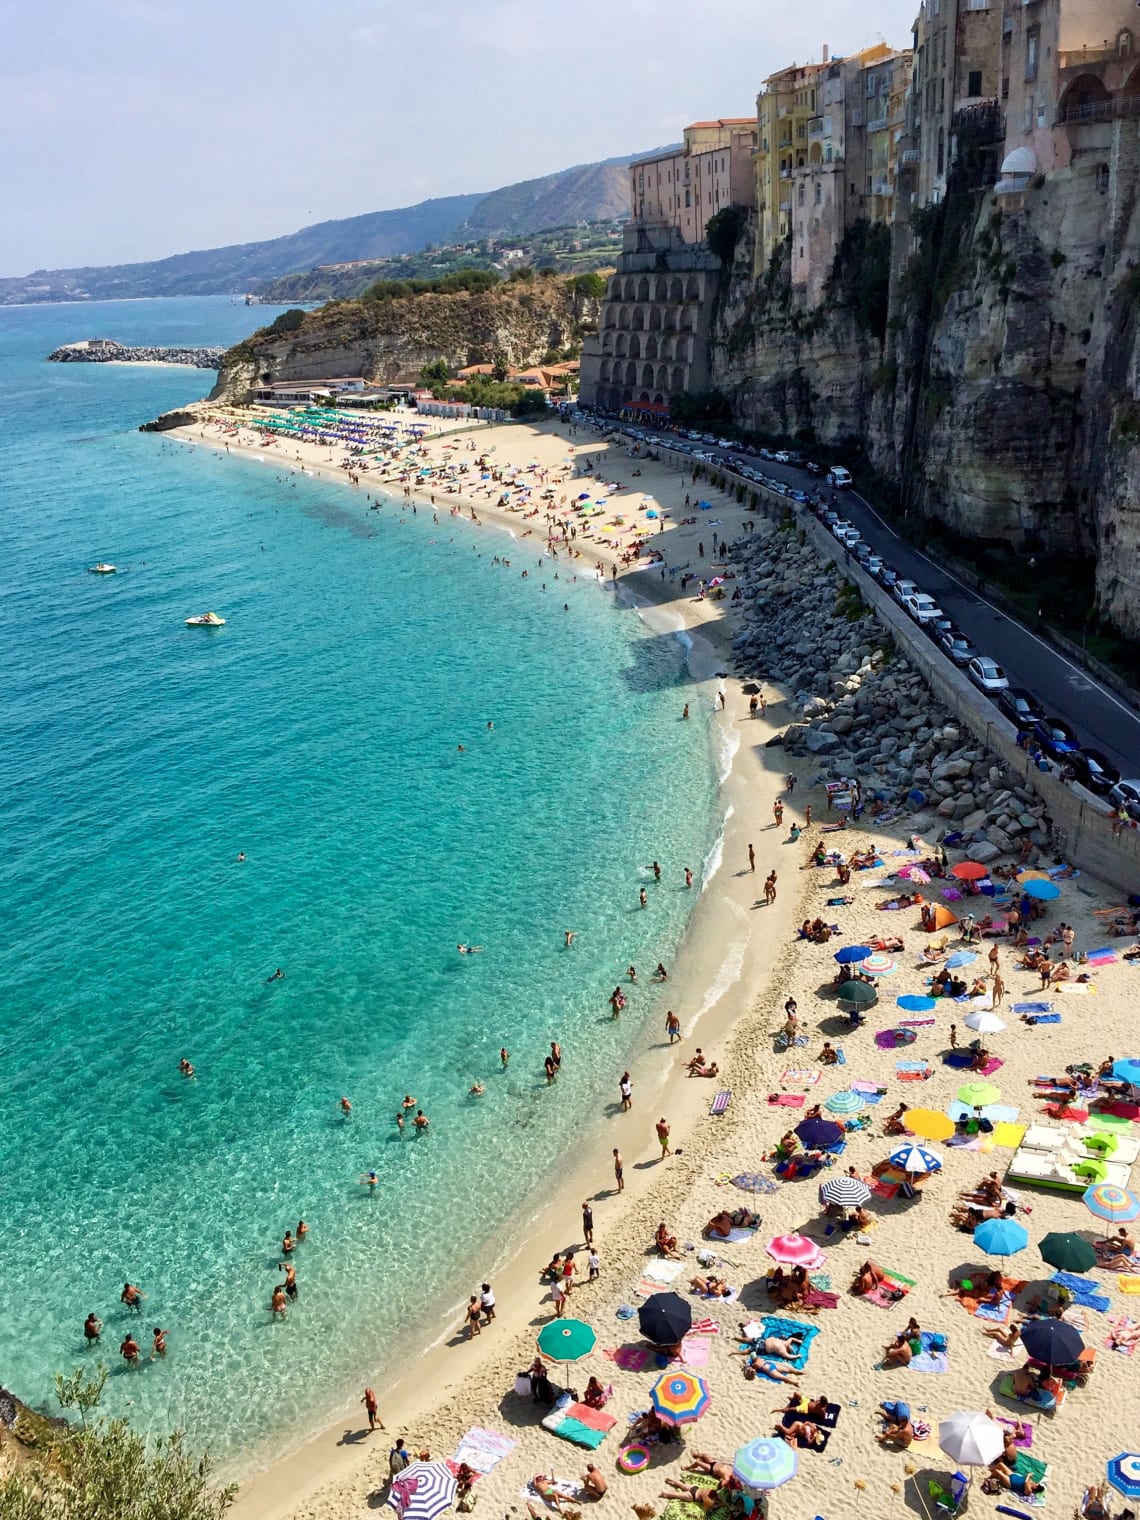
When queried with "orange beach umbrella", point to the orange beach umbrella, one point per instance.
{"points": [[928, 1123]]}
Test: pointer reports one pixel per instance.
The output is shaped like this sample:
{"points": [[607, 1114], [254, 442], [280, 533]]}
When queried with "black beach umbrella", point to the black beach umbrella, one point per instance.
{"points": [[665, 1318], [1052, 1341], [1067, 1252], [818, 1134]]}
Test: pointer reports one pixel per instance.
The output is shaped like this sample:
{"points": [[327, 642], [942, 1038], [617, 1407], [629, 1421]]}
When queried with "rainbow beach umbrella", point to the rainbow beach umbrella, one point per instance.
{"points": [[680, 1397], [1107, 1201], [766, 1463], [879, 964]]}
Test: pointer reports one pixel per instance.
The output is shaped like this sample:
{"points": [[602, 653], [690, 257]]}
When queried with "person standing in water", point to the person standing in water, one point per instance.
{"points": [[619, 1170], [672, 1027], [643, 898], [504, 1056], [625, 1088], [688, 876], [663, 1132]]}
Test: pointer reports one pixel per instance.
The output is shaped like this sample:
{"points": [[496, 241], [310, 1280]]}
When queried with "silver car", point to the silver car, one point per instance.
{"points": [[987, 675]]}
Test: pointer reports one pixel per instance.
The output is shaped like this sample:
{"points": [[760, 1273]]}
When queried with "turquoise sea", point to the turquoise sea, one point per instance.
{"points": [[317, 733]]}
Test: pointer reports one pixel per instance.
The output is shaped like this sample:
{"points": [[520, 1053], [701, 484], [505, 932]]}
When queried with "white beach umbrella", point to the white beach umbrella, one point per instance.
{"points": [[984, 1021], [971, 1438]]}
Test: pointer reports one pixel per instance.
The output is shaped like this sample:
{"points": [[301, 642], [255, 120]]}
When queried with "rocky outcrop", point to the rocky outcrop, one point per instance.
{"points": [[392, 340], [108, 351]]}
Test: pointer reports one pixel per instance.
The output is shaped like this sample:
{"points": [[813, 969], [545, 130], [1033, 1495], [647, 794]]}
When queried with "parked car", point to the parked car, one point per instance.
{"points": [[813, 468], [1021, 707], [987, 675], [840, 526], [839, 478], [955, 644], [888, 577], [902, 589], [873, 564], [922, 607], [1094, 770], [1056, 738], [781, 456], [862, 552]]}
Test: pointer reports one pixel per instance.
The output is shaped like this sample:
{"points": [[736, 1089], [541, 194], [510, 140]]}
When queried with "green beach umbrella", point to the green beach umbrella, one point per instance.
{"points": [[978, 1094], [1067, 1252], [857, 992], [566, 1340]]}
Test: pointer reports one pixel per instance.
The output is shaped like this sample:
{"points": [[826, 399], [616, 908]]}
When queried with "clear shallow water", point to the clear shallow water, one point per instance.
{"points": [[317, 733]]}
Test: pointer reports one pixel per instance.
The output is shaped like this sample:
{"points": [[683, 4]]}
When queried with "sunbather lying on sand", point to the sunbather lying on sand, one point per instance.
{"points": [[714, 1467], [867, 1278], [693, 1493], [711, 1287], [801, 1430]]}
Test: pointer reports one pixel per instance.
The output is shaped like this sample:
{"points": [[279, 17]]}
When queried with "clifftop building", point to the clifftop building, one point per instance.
{"points": [[712, 170]]}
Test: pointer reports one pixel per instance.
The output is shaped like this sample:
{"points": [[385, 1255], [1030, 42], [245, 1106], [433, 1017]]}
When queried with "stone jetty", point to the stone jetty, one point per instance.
{"points": [[108, 351]]}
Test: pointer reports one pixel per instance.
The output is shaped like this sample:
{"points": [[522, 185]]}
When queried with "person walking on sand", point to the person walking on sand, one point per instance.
{"points": [[663, 1137], [487, 1302], [999, 989], [807, 815], [625, 1088], [619, 1170], [372, 1409], [472, 1317], [751, 859], [587, 1224], [778, 812], [770, 888], [672, 1027]]}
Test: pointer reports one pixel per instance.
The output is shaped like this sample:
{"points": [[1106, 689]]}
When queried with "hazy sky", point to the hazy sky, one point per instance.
{"points": [[132, 129]]}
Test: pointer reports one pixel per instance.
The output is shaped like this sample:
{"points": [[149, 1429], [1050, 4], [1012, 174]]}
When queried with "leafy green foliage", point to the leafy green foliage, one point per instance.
{"points": [[81, 1389], [700, 406], [723, 231], [861, 275], [471, 280], [288, 321], [591, 285], [435, 373]]}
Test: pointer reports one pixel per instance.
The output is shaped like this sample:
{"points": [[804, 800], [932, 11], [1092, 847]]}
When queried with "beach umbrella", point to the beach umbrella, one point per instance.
{"points": [[818, 1134], [985, 1021], [969, 870], [971, 1438], [665, 1318], [916, 1159], [1052, 1341], [1067, 1252], [422, 1491], [961, 958], [846, 1192], [978, 1094], [766, 1463], [566, 1340], [1044, 891], [1127, 1070], [753, 1182], [928, 1124], [1107, 1201], [879, 964], [793, 1250], [1001, 1237], [680, 1397], [915, 1002], [845, 1102], [861, 993], [1124, 1474], [852, 953]]}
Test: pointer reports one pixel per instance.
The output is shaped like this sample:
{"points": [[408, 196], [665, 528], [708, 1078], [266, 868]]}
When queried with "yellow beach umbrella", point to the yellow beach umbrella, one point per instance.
{"points": [[928, 1123]]}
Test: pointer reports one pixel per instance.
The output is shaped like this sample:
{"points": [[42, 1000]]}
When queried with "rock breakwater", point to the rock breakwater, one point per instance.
{"points": [[108, 351], [862, 707]]}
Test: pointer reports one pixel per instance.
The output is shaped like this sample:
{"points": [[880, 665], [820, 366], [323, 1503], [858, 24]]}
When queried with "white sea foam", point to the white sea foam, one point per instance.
{"points": [[715, 857], [726, 746], [728, 972]]}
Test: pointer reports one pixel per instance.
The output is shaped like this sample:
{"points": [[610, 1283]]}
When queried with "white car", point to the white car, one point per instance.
{"points": [[873, 565], [850, 537], [902, 589], [838, 477], [780, 457], [986, 674], [922, 607]]}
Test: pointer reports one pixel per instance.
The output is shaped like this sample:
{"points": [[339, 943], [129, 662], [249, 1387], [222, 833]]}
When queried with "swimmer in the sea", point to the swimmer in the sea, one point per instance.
{"points": [[241, 857], [370, 1178], [185, 1067], [570, 935], [476, 1090], [469, 949], [345, 1107], [278, 976]]}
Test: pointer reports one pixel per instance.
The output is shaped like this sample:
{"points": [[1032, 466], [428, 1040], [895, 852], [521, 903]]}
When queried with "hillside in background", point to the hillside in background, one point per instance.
{"points": [[587, 193]]}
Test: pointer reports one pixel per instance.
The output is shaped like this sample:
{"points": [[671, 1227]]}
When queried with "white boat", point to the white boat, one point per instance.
{"points": [[206, 620], [101, 569]]}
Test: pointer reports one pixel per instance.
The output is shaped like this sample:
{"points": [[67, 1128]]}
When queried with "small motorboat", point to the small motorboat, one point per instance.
{"points": [[206, 620], [101, 569]]}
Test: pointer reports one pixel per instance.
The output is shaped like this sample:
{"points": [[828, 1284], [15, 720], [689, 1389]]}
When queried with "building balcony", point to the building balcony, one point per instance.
{"points": [[1122, 106], [909, 156], [785, 207], [815, 126], [882, 187]]}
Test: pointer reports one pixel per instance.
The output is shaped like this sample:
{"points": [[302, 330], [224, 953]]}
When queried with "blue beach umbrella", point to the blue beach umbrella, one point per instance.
{"points": [[851, 953], [1001, 1237], [766, 1463], [818, 1134], [1044, 891], [916, 1159], [845, 1102], [961, 958], [1124, 1474], [914, 1002], [1127, 1070]]}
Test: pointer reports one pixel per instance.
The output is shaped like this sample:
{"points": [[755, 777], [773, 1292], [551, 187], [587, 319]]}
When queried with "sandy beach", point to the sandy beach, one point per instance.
{"points": [[740, 961]]}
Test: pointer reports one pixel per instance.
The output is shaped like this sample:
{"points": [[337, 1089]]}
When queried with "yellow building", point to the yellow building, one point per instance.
{"points": [[784, 107]]}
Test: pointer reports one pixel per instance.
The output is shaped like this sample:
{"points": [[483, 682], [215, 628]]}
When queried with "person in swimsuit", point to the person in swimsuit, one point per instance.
{"points": [[158, 1346], [92, 1328], [129, 1350]]}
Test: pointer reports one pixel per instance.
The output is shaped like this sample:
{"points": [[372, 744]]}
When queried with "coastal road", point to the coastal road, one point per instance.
{"points": [[1100, 718]]}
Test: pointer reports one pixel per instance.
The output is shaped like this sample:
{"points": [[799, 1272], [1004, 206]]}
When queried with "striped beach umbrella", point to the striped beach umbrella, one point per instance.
{"points": [[879, 964], [845, 1102], [1107, 1201], [916, 1160], [680, 1397], [845, 1192], [766, 1463], [1124, 1474], [928, 1124], [422, 1491], [795, 1250], [915, 1002], [566, 1340], [852, 953], [1001, 1237], [978, 1094]]}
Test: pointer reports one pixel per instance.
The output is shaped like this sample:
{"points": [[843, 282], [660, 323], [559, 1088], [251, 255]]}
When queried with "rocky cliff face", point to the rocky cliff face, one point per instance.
{"points": [[392, 340], [1004, 397]]}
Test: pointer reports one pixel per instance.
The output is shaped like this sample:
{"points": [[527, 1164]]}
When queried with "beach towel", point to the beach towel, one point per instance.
{"points": [[930, 1360], [957, 1058], [1025, 1440], [790, 1417], [481, 1449], [1128, 1283], [1031, 1467], [1038, 1399], [880, 1188], [992, 1065], [663, 1271], [1120, 1323], [787, 1100], [563, 1486], [888, 1293], [1044, 1018], [996, 1314], [1008, 1135], [735, 1236], [775, 1324], [917, 1023], [578, 1423], [1085, 1292], [999, 1352], [685, 1509], [1102, 957], [1075, 989], [705, 1326], [721, 1101], [912, 1071], [629, 1358], [1010, 1285], [801, 1077], [695, 1351], [1033, 1007], [820, 1298]]}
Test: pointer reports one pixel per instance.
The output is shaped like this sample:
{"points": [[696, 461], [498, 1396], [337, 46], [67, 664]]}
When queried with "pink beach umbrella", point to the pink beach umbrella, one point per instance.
{"points": [[795, 1250]]}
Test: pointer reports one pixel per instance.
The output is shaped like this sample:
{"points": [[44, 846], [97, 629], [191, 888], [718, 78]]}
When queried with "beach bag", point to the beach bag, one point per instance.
{"points": [[522, 1385], [938, 1342]]}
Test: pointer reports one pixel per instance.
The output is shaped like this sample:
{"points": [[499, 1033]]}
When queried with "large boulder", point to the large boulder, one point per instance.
{"points": [[819, 742]]}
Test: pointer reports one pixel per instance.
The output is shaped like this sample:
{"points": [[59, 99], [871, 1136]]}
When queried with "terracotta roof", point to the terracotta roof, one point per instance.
{"points": [[723, 121]]}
